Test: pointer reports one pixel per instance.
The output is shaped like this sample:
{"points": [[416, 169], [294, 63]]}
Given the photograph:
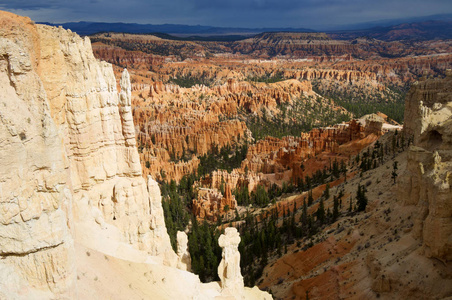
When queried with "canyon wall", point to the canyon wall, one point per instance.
{"points": [[70, 173], [426, 182], [176, 125], [36, 244]]}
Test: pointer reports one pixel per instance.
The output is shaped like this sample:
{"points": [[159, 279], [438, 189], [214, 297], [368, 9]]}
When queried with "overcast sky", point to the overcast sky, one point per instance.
{"points": [[316, 14]]}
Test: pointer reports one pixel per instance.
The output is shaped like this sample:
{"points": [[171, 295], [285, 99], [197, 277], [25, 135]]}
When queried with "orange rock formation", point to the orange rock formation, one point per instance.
{"points": [[177, 124], [211, 204], [273, 155]]}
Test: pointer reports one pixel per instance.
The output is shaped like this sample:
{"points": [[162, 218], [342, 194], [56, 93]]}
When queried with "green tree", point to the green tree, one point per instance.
{"points": [[361, 198], [321, 212], [304, 214], [310, 198], [394, 171], [335, 208], [327, 191]]}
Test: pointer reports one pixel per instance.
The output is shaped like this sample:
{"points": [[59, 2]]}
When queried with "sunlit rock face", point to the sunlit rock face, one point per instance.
{"points": [[229, 268], [71, 179], [68, 158]]}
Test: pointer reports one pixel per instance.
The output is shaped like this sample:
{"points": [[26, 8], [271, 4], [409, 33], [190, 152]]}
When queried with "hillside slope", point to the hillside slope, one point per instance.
{"points": [[400, 246], [71, 182]]}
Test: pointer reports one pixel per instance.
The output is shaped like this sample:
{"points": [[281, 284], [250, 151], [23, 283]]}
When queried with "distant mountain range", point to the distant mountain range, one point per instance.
{"points": [[390, 22], [88, 28], [426, 30], [420, 30]]}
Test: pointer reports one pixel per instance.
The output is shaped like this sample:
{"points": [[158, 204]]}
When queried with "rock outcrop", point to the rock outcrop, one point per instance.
{"points": [[211, 204], [234, 179], [184, 261], [273, 155], [229, 267], [426, 182], [124, 58], [70, 175], [176, 125]]}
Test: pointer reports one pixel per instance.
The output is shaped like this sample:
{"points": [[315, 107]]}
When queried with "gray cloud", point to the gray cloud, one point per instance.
{"points": [[233, 13]]}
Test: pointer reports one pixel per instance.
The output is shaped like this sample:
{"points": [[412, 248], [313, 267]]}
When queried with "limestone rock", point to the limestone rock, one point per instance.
{"points": [[273, 155], [426, 182], [229, 268], [69, 160], [184, 261], [211, 204], [35, 239], [159, 243]]}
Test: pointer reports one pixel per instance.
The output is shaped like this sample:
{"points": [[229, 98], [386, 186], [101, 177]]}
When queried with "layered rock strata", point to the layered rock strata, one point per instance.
{"points": [[426, 182], [176, 125], [211, 204], [273, 155], [70, 175], [229, 267]]}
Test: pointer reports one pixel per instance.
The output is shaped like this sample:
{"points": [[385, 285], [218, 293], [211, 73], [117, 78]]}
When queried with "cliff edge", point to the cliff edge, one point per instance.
{"points": [[426, 183], [71, 190]]}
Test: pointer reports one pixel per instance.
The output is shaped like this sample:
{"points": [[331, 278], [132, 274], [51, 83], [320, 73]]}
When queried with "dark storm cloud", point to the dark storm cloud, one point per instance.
{"points": [[234, 13], [28, 5]]}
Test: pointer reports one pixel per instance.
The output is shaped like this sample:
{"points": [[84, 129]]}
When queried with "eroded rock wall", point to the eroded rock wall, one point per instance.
{"points": [[69, 161], [70, 175], [35, 241], [428, 117]]}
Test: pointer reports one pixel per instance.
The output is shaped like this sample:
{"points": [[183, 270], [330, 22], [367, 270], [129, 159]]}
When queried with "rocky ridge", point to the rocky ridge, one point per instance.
{"points": [[71, 177], [399, 247], [427, 177], [178, 124]]}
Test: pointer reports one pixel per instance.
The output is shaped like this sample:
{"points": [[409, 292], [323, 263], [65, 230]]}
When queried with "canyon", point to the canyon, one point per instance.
{"points": [[74, 203], [399, 246], [371, 254], [129, 161]]}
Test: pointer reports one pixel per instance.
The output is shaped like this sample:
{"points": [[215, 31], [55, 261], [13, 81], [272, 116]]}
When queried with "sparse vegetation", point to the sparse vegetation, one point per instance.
{"points": [[293, 118], [360, 102]]}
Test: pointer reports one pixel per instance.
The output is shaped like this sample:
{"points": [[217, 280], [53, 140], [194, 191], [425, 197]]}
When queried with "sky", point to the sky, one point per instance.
{"points": [[314, 14]]}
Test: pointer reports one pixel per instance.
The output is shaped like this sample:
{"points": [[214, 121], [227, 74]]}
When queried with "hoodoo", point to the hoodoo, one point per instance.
{"points": [[77, 219]]}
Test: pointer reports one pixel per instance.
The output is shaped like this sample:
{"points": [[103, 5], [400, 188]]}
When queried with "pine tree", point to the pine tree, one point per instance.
{"points": [[394, 171], [304, 214], [327, 191], [335, 208], [361, 198], [310, 198], [321, 211]]}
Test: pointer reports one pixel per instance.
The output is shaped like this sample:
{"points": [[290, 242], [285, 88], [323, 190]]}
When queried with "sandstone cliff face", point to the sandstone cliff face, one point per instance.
{"points": [[34, 192], [273, 155], [70, 175], [96, 125], [426, 182], [71, 159], [124, 58]]}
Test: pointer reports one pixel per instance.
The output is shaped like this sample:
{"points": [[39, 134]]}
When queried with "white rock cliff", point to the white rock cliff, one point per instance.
{"points": [[70, 175]]}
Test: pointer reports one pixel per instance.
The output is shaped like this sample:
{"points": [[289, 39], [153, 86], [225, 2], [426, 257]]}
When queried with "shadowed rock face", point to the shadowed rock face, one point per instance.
{"points": [[428, 117]]}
